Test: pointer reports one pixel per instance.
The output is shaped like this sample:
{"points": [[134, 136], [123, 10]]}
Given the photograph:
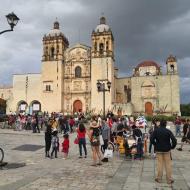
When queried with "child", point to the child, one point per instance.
{"points": [[65, 145], [54, 143]]}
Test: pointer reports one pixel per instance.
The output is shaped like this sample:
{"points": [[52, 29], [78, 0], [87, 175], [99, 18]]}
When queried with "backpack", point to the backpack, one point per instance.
{"points": [[95, 140], [55, 142]]}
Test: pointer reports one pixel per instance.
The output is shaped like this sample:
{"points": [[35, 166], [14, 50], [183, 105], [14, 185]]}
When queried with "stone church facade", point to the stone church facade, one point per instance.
{"points": [[69, 76]]}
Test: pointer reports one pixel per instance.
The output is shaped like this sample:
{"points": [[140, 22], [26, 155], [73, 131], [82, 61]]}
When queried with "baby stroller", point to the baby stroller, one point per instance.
{"points": [[130, 146]]}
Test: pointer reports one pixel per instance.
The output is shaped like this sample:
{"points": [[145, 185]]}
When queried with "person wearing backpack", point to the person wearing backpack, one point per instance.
{"points": [[54, 143], [94, 136]]}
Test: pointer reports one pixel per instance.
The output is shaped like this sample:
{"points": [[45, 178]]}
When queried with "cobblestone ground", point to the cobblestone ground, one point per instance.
{"points": [[75, 174]]}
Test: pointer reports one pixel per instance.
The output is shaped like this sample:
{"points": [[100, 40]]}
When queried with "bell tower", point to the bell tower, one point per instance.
{"points": [[54, 45], [102, 65], [102, 40], [171, 64]]}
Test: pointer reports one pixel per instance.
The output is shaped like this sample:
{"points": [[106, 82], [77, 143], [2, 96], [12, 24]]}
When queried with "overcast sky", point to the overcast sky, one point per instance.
{"points": [[143, 30]]}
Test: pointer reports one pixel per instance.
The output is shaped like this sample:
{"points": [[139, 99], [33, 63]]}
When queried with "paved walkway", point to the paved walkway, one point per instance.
{"points": [[75, 174]]}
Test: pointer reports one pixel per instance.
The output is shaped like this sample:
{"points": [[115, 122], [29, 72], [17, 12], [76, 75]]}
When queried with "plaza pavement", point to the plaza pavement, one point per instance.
{"points": [[40, 173]]}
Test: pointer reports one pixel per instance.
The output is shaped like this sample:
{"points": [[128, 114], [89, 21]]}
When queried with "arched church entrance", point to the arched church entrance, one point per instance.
{"points": [[22, 106], [77, 106], [35, 106], [148, 108]]}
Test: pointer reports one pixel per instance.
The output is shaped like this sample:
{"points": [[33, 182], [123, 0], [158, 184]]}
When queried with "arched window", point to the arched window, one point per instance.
{"points": [[101, 48], [107, 45], [95, 46], [57, 48], [172, 67], [78, 72], [52, 52]]}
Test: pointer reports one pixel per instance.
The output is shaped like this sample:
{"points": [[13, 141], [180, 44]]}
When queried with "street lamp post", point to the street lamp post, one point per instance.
{"points": [[12, 20], [101, 87]]}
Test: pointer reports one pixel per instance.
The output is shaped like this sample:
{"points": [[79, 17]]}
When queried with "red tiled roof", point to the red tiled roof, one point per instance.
{"points": [[148, 63]]}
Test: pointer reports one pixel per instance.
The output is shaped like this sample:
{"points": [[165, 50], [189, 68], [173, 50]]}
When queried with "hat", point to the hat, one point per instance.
{"points": [[94, 123]]}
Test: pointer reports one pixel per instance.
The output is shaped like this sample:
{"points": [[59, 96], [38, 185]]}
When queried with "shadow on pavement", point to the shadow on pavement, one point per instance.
{"points": [[8, 166]]}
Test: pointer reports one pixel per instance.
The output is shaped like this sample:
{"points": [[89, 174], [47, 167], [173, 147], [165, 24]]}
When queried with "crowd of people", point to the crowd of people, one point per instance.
{"points": [[107, 128], [99, 132], [37, 122], [161, 140]]}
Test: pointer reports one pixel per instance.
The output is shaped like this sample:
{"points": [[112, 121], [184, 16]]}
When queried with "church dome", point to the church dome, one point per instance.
{"points": [[55, 31], [148, 64], [146, 68], [102, 27]]}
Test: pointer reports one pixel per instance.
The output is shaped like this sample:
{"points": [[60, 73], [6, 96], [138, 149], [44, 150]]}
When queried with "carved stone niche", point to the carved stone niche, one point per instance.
{"points": [[78, 54], [77, 85], [68, 70]]}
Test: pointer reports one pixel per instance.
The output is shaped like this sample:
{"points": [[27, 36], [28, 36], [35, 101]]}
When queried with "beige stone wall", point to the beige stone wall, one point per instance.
{"points": [[99, 69], [25, 92], [52, 74], [121, 96], [169, 93], [151, 69], [6, 93], [166, 96]]}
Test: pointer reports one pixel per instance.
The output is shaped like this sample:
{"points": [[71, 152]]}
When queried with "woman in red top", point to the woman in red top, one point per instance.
{"points": [[65, 146], [81, 134]]}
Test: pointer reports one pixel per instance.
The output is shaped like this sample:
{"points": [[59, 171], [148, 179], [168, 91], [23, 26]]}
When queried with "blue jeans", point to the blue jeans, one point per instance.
{"points": [[82, 143], [177, 130]]}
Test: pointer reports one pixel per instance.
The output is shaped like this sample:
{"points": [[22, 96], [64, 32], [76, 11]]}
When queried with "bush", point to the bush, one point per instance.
{"points": [[160, 117]]}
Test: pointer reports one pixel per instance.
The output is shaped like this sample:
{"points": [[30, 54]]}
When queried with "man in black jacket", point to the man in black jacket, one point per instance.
{"points": [[163, 141]]}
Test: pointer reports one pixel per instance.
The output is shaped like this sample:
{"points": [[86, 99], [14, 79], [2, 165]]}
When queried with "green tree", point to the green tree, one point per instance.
{"points": [[185, 109]]}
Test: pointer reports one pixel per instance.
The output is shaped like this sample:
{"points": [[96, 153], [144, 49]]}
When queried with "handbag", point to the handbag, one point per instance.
{"points": [[108, 153], [95, 141], [76, 141], [101, 140]]}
